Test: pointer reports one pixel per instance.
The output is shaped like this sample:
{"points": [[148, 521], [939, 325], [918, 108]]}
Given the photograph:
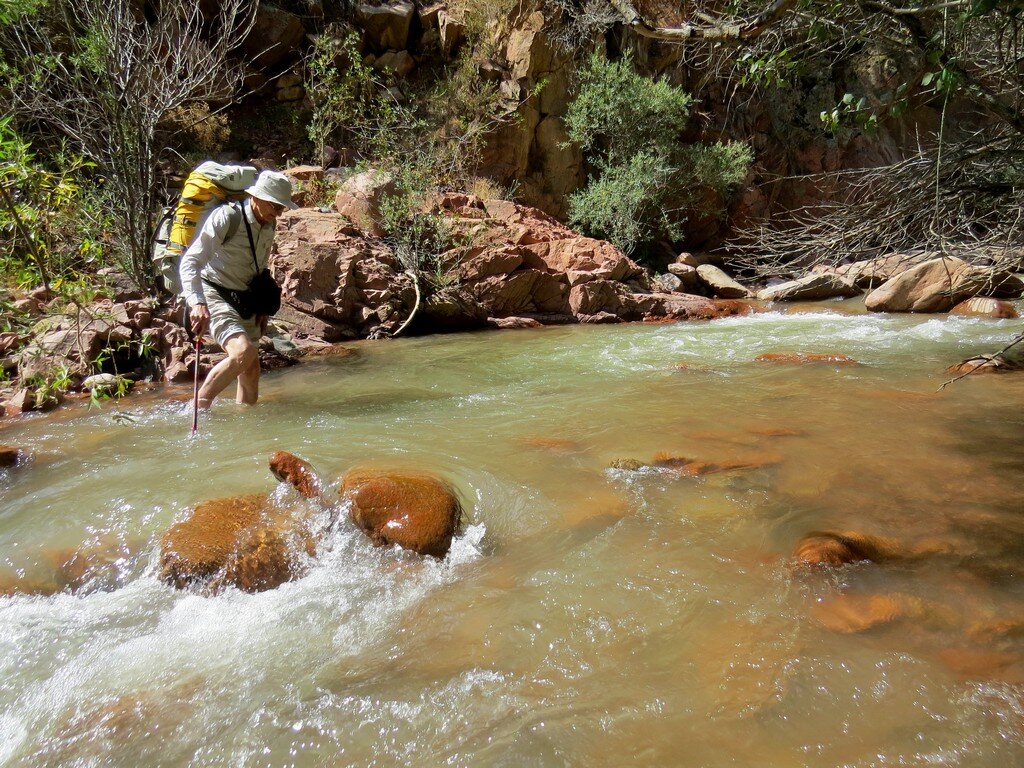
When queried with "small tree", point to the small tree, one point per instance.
{"points": [[104, 75], [643, 176]]}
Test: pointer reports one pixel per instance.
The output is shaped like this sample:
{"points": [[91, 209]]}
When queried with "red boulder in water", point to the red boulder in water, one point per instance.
{"points": [[414, 510]]}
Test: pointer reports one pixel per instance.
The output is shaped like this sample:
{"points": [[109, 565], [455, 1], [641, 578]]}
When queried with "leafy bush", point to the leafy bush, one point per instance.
{"points": [[643, 177], [50, 219], [624, 203], [617, 112], [339, 86]]}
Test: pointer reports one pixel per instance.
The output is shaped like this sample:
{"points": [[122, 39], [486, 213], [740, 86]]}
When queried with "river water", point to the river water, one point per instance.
{"points": [[586, 615]]}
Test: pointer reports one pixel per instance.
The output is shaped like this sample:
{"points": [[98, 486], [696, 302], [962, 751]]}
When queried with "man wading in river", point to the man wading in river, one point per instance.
{"points": [[227, 286]]}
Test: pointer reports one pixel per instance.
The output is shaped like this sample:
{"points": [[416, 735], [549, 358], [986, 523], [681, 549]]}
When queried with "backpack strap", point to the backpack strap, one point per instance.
{"points": [[252, 245], [235, 217]]}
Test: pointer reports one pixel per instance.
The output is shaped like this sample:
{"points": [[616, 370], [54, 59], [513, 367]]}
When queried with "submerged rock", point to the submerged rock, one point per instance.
{"points": [[987, 364], [849, 614], [835, 549], [694, 467], [102, 565], [416, 511], [11, 456], [805, 357]]}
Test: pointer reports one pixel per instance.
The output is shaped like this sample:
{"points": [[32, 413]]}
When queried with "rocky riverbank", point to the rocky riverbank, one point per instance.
{"points": [[511, 266]]}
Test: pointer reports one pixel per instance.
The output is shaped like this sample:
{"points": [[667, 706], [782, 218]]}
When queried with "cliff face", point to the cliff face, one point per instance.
{"points": [[534, 74]]}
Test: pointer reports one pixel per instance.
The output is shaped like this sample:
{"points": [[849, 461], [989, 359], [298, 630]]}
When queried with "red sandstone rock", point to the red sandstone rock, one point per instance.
{"points": [[938, 285], [557, 444], [694, 468], [414, 510], [360, 198], [982, 664], [329, 350], [850, 614], [515, 322], [22, 402], [837, 548]]}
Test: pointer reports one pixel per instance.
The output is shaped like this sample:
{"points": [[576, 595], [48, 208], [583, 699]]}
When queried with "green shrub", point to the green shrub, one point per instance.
{"points": [[51, 219], [643, 179], [624, 203], [617, 112]]}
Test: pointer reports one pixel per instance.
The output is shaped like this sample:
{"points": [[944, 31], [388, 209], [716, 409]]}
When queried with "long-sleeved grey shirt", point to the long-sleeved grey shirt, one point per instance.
{"points": [[229, 264]]}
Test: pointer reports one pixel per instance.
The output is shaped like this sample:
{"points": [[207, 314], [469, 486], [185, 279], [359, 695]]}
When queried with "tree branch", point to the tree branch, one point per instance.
{"points": [[722, 31]]}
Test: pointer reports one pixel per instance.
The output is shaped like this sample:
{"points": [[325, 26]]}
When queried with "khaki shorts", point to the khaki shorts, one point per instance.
{"points": [[225, 321]]}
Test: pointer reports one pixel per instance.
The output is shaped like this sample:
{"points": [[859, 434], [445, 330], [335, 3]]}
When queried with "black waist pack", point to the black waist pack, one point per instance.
{"points": [[261, 297]]}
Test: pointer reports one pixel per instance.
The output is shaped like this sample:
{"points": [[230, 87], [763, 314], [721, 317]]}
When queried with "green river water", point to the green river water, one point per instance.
{"points": [[585, 616]]}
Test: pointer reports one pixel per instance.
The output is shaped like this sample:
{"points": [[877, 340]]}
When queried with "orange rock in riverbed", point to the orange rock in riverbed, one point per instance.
{"points": [[983, 306], [242, 541], [805, 357], [694, 467], [986, 364], [289, 468], [556, 444], [842, 548], [776, 432], [414, 510], [983, 664]]}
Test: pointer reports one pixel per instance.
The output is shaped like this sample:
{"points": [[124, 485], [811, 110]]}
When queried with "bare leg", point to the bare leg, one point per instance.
{"points": [[241, 356], [249, 383]]}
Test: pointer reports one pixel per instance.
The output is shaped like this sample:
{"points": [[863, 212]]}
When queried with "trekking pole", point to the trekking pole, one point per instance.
{"points": [[195, 389], [186, 321]]}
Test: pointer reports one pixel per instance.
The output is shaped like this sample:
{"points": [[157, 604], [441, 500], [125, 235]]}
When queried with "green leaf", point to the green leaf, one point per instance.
{"points": [[927, 79], [848, 98]]}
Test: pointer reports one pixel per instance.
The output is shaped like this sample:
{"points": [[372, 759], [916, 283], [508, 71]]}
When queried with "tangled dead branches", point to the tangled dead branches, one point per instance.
{"points": [[962, 201]]}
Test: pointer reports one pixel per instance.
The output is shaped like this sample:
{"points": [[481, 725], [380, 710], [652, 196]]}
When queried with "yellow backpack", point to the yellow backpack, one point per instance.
{"points": [[208, 186]]}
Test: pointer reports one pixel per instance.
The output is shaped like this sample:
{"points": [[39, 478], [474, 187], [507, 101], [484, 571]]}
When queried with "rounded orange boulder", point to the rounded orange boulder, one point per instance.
{"points": [[414, 510], [241, 541]]}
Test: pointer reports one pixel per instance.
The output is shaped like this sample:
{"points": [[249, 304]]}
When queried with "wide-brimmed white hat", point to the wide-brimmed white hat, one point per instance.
{"points": [[273, 187]]}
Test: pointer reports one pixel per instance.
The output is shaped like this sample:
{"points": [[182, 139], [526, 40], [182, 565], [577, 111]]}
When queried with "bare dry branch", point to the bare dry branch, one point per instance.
{"points": [[740, 30]]}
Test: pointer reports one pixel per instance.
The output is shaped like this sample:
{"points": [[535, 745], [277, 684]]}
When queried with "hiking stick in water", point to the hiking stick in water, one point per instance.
{"points": [[195, 388]]}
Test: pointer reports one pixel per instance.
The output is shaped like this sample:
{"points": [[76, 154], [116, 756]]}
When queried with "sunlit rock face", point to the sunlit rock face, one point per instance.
{"points": [[414, 510], [984, 306], [938, 286]]}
